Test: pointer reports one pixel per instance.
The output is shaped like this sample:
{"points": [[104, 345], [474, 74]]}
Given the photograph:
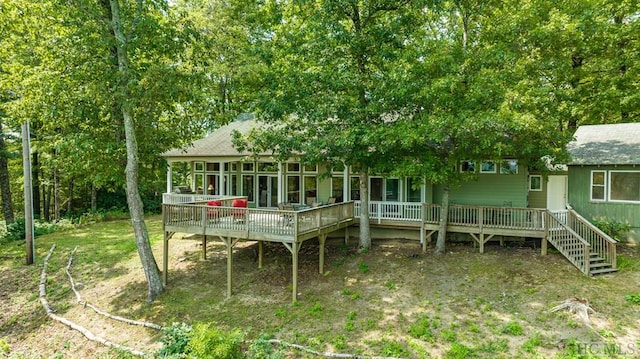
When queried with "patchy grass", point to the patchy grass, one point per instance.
{"points": [[384, 302]]}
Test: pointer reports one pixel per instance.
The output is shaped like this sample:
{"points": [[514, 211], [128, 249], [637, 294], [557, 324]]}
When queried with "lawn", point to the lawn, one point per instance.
{"points": [[392, 301]]}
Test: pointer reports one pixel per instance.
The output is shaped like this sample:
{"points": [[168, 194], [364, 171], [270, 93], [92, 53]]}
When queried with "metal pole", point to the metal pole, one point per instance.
{"points": [[28, 193]]}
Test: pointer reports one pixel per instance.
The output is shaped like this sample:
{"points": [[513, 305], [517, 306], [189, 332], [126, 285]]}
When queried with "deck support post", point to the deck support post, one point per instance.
{"points": [[481, 242], [260, 253], [545, 238], [323, 239], [294, 248], [165, 258], [229, 242]]}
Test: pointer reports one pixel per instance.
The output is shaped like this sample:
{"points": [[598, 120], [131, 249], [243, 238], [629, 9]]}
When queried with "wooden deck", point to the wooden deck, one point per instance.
{"points": [[590, 250], [229, 224]]}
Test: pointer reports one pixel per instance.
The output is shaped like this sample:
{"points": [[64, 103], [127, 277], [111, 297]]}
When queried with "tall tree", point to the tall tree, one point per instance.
{"points": [[329, 68]]}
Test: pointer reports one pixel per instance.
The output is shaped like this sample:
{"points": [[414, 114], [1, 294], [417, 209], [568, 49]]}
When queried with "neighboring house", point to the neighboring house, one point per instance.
{"points": [[604, 173]]}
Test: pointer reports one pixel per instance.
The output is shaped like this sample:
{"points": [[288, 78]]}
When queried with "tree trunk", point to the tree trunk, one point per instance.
{"points": [[35, 177], [56, 194], [444, 218], [94, 198], [131, 172], [365, 230], [5, 183], [70, 197]]}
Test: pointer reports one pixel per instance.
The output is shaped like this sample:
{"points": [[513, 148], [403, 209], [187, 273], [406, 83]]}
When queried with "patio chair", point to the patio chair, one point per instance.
{"points": [[213, 214], [286, 216], [331, 200], [241, 209], [311, 201]]}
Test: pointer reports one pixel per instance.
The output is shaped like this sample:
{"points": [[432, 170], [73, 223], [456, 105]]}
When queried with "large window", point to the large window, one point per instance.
{"points": [[624, 186], [310, 189], [598, 180], [293, 189], [414, 190], [355, 188], [392, 189], [337, 188], [248, 186], [509, 167]]}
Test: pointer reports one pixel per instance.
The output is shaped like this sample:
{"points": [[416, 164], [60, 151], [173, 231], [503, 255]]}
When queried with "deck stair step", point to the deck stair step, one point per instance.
{"points": [[602, 271]]}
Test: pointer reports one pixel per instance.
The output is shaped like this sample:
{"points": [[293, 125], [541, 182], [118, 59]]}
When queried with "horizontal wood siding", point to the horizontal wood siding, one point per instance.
{"points": [[490, 190], [579, 198], [538, 199]]}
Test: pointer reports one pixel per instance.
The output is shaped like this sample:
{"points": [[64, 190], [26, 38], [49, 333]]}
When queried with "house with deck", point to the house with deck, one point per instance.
{"points": [[604, 173], [290, 203]]}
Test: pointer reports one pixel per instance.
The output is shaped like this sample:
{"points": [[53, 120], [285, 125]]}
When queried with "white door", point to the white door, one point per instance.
{"points": [[557, 193]]}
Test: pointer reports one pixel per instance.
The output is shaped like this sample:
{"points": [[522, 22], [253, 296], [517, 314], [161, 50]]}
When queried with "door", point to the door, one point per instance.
{"points": [[557, 193], [268, 191]]}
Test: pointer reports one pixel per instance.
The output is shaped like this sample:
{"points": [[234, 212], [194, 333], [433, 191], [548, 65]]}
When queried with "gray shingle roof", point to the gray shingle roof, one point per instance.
{"points": [[615, 144], [218, 143]]}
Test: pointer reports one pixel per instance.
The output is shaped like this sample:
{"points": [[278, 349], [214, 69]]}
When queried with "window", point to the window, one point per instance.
{"points": [[414, 194], [267, 167], [213, 166], [247, 166], [392, 189], [293, 167], [248, 186], [535, 183], [310, 188], [234, 185], [198, 166], [509, 167], [293, 189], [488, 167], [355, 188], [468, 166], [598, 180], [311, 168], [624, 186], [234, 166], [337, 188]]}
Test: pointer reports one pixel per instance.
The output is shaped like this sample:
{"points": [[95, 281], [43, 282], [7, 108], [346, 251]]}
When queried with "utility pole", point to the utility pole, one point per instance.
{"points": [[28, 193]]}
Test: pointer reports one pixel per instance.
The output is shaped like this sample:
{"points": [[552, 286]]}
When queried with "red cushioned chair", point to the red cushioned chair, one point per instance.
{"points": [[213, 214], [239, 214]]}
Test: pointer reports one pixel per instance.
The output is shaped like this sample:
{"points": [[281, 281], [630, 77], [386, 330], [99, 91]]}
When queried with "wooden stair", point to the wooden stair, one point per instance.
{"points": [[598, 265]]}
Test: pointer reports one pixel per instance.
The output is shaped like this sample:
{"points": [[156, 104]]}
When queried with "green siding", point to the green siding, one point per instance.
{"points": [[538, 199], [579, 198], [489, 190]]}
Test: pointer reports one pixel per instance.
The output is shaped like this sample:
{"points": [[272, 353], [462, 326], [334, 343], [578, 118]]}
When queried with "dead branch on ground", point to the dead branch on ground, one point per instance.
{"points": [[99, 311], [87, 333]]}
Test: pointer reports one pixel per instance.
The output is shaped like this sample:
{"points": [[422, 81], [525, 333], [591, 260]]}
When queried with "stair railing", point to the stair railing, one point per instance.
{"points": [[569, 243], [600, 242]]}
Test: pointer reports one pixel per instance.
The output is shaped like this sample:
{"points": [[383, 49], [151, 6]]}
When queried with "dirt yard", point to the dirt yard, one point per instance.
{"points": [[391, 301]]}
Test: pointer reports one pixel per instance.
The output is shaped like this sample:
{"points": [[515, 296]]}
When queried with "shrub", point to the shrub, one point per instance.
{"points": [[633, 298], [615, 229], [262, 349], [16, 230], [211, 342], [175, 339], [512, 328]]}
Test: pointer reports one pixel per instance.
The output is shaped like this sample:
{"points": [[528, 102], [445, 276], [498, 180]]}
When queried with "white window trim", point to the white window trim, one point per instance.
{"points": [[494, 167], [474, 166], [530, 182], [606, 180], [517, 165]]}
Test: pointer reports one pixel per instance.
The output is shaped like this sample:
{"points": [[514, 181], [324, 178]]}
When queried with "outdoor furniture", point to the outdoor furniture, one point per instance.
{"points": [[213, 214], [331, 200], [240, 212], [311, 200], [286, 215]]}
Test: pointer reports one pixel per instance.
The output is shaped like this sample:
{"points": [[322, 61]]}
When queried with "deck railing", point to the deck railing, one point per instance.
{"points": [[254, 222], [569, 243], [176, 198], [600, 242], [392, 211]]}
